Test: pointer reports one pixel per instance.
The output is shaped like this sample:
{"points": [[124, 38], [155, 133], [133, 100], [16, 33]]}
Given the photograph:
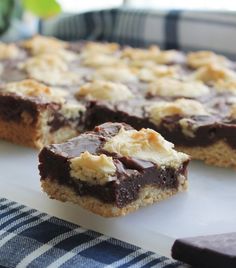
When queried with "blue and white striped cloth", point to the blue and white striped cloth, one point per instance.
{"points": [[29, 238], [170, 29]]}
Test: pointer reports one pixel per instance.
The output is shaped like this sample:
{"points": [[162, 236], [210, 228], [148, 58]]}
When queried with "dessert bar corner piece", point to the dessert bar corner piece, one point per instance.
{"points": [[35, 115], [113, 170]]}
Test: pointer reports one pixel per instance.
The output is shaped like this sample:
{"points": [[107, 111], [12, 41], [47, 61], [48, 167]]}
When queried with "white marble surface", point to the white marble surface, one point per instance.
{"points": [[207, 208]]}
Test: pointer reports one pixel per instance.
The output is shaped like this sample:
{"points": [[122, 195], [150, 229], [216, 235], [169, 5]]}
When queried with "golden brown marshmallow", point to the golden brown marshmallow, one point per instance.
{"points": [[233, 111], [100, 60], [167, 86], [226, 85], [95, 169], [145, 144], [141, 54], [204, 58], [152, 73], [32, 88], [42, 44], [8, 51], [50, 69], [118, 74], [213, 73], [182, 107], [168, 56], [104, 90], [101, 48]]}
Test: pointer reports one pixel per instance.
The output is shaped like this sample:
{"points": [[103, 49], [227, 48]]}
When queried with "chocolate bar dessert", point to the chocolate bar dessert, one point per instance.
{"points": [[113, 170]]}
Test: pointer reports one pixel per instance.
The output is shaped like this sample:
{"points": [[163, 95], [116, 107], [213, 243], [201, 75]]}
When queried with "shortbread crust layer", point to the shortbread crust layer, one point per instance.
{"points": [[147, 196]]}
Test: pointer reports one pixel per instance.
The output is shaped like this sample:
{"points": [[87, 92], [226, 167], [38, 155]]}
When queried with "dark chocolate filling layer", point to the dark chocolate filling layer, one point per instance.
{"points": [[131, 175], [12, 107]]}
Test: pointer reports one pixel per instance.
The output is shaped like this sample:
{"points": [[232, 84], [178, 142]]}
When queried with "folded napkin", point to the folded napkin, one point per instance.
{"points": [[29, 238], [171, 29]]}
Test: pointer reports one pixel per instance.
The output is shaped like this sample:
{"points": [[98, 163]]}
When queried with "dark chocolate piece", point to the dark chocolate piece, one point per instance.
{"points": [[213, 251]]}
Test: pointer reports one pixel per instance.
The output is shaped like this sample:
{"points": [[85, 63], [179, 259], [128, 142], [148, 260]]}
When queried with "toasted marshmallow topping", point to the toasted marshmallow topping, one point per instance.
{"points": [[33, 88], [71, 110], [99, 60], [1, 68], [145, 144], [141, 54], [182, 107], [141, 64], [95, 169], [50, 69], [118, 74], [153, 54], [41, 44], [45, 62], [27, 87], [49, 45], [233, 111], [213, 73], [101, 48], [152, 73], [8, 51], [226, 85], [56, 78], [172, 87], [104, 90], [203, 58], [65, 55], [188, 127], [168, 56]]}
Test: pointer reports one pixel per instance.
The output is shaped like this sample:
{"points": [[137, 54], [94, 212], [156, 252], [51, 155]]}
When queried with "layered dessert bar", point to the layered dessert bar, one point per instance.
{"points": [[37, 106], [34, 114], [113, 170], [206, 130]]}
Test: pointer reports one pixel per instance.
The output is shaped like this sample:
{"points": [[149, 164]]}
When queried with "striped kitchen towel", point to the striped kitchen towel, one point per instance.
{"points": [[29, 238], [177, 29]]}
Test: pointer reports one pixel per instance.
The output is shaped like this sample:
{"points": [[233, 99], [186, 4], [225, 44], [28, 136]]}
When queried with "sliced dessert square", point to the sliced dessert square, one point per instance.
{"points": [[35, 115], [113, 170]]}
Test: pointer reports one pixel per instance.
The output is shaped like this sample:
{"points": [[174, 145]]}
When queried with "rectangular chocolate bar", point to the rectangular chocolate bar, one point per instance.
{"points": [[113, 170], [211, 251]]}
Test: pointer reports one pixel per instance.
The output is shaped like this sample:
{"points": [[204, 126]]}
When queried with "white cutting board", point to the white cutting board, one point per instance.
{"points": [[208, 207]]}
